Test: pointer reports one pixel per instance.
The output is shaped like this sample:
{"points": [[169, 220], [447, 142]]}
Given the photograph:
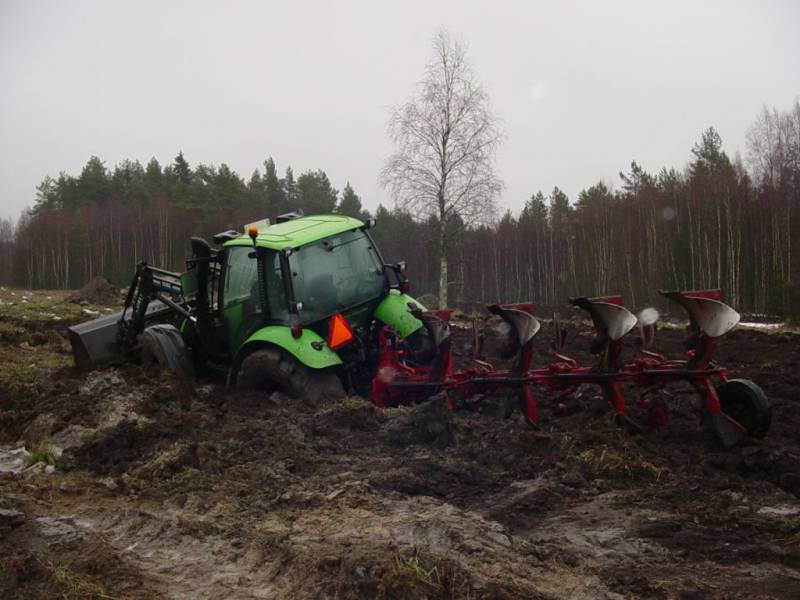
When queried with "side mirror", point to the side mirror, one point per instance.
{"points": [[370, 223], [401, 266]]}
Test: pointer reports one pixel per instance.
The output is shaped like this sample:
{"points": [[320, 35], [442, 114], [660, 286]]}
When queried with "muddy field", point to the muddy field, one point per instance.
{"points": [[164, 490]]}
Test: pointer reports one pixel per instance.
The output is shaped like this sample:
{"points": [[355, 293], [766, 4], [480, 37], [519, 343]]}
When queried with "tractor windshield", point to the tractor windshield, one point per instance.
{"points": [[335, 274]]}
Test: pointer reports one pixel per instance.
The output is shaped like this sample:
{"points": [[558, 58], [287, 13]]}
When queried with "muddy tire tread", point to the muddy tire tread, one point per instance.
{"points": [[272, 368]]}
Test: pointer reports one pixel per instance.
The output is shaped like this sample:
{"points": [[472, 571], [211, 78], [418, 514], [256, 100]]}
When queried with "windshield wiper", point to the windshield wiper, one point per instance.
{"points": [[331, 247]]}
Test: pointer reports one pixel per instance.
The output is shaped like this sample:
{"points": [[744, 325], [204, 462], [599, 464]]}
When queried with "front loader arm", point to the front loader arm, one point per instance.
{"points": [[150, 283], [105, 338]]}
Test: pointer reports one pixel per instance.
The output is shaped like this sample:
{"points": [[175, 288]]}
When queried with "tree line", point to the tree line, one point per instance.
{"points": [[719, 222], [103, 221]]}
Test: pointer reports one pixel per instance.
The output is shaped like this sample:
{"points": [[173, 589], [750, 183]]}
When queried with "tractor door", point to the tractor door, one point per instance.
{"points": [[240, 306], [239, 303]]}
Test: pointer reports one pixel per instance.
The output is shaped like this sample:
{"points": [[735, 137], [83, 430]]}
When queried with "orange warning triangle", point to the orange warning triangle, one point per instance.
{"points": [[339, 332]]}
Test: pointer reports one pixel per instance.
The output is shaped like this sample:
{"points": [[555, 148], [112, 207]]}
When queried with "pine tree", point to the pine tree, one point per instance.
{"points": [[275, 194], [256, 191], [47, 195], [94, 184], [535, 208], [153, 177], [350, 203], [290, 189], [316, 195], [182, 170]]}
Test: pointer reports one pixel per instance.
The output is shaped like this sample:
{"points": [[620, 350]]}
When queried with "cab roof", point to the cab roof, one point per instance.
{"points": [[298, 232]]}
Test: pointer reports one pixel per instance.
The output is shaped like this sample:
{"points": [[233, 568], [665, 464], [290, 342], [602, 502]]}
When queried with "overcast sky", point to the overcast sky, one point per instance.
{"points": [[582, 87]]}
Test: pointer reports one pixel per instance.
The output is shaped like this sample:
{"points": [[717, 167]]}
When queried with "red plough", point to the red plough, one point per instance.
{"points": [[734, 408]]}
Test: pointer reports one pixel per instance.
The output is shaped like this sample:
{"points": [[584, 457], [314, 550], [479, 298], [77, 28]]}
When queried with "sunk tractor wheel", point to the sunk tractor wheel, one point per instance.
{"points": [[163, 348], [272, 369]]}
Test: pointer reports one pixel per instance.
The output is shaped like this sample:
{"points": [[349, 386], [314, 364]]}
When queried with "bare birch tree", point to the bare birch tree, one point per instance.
{"points": [[445, 140]]}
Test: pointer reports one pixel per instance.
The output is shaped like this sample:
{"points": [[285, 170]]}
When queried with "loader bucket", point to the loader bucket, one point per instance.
{"points": [[94, 342], [706, 311], [97, 341]]}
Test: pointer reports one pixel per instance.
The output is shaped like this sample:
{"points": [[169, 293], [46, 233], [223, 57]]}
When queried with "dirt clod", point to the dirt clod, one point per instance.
{"points": [[96, 291], [427, 424]]}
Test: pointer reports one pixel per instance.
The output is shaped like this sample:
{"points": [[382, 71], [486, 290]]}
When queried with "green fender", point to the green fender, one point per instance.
{"points": [[393, 311], [301, 348]]}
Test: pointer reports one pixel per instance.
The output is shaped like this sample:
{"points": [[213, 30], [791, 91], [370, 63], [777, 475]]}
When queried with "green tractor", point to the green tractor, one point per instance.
{"points": [[296, 306]]}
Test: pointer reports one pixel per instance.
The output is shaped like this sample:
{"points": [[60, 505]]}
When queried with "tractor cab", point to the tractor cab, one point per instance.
{"points": [[299, 273]]}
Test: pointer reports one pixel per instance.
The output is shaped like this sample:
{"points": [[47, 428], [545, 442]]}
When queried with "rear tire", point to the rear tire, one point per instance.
{"points": [[746, 403], [272, 369], [162, 346]]}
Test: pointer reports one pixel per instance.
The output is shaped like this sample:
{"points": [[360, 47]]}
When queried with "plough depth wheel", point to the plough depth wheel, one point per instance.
{"points": [[746, 402]]}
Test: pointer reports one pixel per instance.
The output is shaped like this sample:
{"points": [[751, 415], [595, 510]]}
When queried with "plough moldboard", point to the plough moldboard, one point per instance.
{"points": [[734, 408]]}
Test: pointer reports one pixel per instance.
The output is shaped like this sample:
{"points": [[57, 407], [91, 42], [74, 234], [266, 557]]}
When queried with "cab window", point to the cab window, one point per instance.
{"points": [[335, 274], [240, 276], [241, 282]]}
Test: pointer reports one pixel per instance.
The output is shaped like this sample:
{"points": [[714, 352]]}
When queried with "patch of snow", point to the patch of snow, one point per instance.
{"points": [[99, 382], [783, 510], [749, 325], [12, 460]]}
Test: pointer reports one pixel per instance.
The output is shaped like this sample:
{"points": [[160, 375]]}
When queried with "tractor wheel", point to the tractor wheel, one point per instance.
{"points": [[162, 346], [272, 369], [745, 402]]}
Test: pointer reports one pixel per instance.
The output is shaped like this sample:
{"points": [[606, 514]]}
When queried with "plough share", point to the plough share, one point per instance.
{"points": [[734, 408]]}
